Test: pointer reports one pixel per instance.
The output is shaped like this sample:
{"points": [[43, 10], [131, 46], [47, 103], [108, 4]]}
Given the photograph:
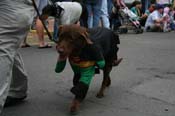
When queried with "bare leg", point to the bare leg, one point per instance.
{"points": [[25, 44], [40, 33]]}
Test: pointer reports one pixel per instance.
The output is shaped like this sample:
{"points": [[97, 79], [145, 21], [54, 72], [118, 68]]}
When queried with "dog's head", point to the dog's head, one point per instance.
{"points": [[51, 10], [72, 39]]}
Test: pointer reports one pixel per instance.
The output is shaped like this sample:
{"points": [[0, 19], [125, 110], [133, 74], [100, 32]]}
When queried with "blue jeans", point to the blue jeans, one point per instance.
{"points": [[41, 4], [145, 5], [110, 5], [55, 31], [104, 13], [93, 14]]}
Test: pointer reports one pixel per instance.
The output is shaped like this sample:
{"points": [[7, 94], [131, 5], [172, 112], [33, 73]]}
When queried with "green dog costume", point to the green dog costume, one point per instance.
{"points": [[104, 48]]}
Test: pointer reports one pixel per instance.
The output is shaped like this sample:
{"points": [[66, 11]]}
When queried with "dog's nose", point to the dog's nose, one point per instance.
{"points": [[60, 52]]}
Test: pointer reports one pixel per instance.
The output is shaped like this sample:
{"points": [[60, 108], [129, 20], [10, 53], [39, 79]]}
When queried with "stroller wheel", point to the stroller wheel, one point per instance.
{"points": [[137, 31], [123, 30], [120, 31], [141, 30]]}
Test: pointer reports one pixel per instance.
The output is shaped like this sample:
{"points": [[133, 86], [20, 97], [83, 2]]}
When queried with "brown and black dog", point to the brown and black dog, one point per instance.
{"points": [[87, 49]]}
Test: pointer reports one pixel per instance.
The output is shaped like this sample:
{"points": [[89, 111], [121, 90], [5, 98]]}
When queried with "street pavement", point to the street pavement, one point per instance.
{"points": [[142, 85]]}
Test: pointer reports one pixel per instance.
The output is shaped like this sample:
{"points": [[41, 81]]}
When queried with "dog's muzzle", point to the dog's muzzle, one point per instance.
{"points": [[60, 50]]}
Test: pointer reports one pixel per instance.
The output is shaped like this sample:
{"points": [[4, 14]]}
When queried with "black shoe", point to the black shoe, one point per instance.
{"points": [[11, 101]]}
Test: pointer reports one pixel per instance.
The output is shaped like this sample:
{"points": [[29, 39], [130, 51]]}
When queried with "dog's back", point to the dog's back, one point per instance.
{"points": [[106, 40]]}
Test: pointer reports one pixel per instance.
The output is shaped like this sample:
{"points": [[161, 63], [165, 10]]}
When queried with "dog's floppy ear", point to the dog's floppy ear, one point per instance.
{"points": [[60, 29], [76, 34], [86, 37]]}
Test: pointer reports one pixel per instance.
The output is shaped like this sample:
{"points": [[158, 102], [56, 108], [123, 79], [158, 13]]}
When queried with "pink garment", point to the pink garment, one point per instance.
{"points": [[121, 3], [167, 19], [163, 1], [166, 13], [166, 10]]}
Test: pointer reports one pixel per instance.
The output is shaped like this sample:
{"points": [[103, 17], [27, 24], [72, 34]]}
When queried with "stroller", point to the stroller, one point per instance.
{"points": [[126, 20]]}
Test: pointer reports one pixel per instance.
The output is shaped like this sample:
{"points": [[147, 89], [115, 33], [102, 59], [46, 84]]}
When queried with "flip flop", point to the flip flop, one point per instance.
{"points": [[46, 46], [25, 46]]}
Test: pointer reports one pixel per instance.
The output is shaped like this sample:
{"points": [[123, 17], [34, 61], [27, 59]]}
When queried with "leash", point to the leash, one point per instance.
{"points": [[39, 15]]}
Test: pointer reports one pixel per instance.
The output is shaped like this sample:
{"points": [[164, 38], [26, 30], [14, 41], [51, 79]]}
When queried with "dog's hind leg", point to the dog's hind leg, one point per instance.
{"points": [[106, 80]]}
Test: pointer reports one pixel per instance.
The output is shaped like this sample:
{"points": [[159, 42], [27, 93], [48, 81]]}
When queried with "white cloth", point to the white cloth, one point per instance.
{"points": [[129, 13], [164, 1], [151, 19], [16, 17], [71, 14]]}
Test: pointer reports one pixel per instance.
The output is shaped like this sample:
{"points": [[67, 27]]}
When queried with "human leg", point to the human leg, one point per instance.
{"points": [[55, 32], [90, 15], [40, 33], [110, 5], [104, 14], [96, 14], [24, 43], [18, 87], [145, 5], [84, 17], [5, 76], [39, 26], [157, 28], [14, 25]]}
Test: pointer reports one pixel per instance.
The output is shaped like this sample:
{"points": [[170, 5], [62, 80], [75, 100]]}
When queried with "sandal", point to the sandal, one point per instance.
{"points": [[25, 45], [46, 46]]}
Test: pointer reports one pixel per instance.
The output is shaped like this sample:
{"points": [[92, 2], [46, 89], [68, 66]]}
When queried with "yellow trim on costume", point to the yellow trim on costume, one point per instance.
{"points": [[84, 64]]}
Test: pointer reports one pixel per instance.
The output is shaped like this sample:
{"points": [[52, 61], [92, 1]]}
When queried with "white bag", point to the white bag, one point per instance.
{"points": [[129, 13]]}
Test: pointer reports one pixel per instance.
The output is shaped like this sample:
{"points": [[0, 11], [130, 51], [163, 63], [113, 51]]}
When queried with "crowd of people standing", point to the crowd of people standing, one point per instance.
{"points": [[100, 14]]}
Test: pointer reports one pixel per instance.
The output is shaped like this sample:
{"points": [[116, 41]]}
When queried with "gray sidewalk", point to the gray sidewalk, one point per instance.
{"points": [[142, 85]]}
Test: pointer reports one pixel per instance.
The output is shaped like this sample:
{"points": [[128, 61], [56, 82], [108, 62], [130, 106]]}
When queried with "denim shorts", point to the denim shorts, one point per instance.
{"points": [[41, 4]]}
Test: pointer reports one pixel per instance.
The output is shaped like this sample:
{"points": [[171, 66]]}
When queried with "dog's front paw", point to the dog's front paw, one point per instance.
{"points": [[100, 95], [74, 107]]}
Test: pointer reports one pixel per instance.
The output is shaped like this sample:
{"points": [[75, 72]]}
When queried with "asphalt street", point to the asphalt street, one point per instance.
{"points": [[142, 85]]}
